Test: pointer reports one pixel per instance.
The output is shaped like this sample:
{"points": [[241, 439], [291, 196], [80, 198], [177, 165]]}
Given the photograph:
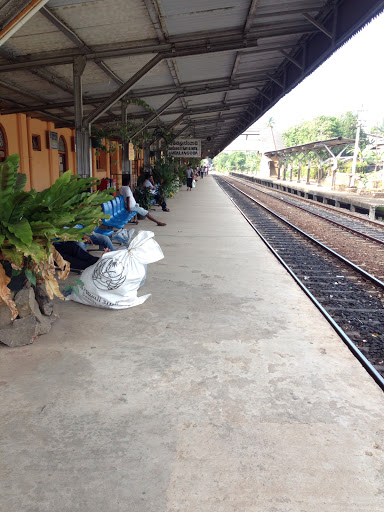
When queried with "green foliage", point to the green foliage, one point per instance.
{"points": [[238, 161], [30, 220], [143, 197], [165, 174], [324, 127], [119, 130]]}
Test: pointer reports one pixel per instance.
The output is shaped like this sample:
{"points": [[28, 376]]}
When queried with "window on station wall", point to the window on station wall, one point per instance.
{"points": [[3, 145], [63, 160], [36, 142]]}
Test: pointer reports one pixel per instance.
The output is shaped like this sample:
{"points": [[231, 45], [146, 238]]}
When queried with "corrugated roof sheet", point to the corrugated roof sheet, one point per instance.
{"points": [[239, 56]]}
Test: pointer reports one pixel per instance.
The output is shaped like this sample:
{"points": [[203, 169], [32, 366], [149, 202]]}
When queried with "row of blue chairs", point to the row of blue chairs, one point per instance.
{"points": [[119, 216]]}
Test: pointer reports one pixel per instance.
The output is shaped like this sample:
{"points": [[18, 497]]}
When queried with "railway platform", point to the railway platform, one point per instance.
{"points": [[371, 206], [226, 391]]}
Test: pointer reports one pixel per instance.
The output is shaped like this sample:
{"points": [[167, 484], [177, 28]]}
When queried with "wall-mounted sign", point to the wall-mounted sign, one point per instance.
{"points": [[53, 140], [185, 148]]}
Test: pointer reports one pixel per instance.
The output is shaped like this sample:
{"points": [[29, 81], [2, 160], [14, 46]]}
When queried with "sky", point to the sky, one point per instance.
{"points": [[351, 79]]}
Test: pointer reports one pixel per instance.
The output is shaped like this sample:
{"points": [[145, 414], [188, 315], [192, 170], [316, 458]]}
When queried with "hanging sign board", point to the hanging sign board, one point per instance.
{"points": [[188, 148], [131, 152]]}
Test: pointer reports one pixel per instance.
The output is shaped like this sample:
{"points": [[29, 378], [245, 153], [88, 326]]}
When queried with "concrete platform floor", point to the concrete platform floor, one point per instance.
{"points": [[225, 392]]}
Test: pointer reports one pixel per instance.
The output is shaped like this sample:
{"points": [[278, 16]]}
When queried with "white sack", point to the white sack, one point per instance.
{"points": [[113, 281]]}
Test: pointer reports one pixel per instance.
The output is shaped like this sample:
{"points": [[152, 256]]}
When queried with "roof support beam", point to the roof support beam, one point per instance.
{"points": [[263, 94], [169, 128], [22, 17], [122, 91], [291, 59], [250, 16], [191, 44], [175, 136], [318, 25], [155, 115], [78, 42], [275, 80]]}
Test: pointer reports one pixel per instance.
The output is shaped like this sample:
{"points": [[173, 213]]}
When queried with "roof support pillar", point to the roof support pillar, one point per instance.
{"points": [[147, 157], [83, 157], [299, 173], [308, 182], [125, 163]]}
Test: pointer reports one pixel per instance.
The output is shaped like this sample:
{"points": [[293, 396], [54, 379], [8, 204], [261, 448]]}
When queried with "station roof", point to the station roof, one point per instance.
{"points": [[310, 146], [209, 68]]}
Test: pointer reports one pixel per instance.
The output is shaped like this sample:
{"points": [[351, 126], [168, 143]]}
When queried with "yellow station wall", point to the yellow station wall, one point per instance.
{"points": [[42, 167]]}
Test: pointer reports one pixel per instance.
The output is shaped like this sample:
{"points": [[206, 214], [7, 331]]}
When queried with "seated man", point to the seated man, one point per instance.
{"points": [[149, 183], [77, 257], [104, 242], [130, 202]]}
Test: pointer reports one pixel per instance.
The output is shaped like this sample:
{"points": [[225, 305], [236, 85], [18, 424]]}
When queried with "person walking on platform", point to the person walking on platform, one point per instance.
{"points": [[189, 173]]}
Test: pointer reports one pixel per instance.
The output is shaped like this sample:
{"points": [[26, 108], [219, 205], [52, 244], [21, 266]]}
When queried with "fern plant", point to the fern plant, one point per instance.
{"points": [[30, 221]]}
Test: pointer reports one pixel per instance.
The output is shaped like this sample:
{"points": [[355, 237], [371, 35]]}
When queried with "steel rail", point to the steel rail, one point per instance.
{"points": [[329, 207], [346, 339], [359, 233]]}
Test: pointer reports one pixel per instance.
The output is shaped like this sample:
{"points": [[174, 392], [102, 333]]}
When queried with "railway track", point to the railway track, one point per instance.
{"points": [[348, 296], [359, 222], [359, 240]]}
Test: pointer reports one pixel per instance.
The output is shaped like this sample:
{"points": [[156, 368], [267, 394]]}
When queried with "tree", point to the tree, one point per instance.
{"points": [[325, 127], [237, 161]]}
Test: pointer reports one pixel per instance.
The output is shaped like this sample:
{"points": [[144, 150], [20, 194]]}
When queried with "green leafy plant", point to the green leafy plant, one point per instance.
{"points": [[143, 197], [165, 174], [30, 221]]}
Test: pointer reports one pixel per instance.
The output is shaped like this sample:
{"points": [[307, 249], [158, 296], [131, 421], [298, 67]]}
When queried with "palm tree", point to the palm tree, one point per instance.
{"points": [[271, 124]]}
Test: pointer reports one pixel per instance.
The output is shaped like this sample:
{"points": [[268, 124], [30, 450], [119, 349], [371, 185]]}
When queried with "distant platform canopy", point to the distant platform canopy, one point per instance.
{"points": [[315, 146]]}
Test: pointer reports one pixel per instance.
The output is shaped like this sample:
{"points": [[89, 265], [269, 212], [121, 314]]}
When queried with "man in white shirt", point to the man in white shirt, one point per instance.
{"points": [[130, 202]]}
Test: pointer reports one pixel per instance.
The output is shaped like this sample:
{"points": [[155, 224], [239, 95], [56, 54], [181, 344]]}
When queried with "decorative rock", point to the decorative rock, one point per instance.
{"points": [[44, 302], [25, 302], [5, 315], [21, 332], [31, 322], [44, 323]]}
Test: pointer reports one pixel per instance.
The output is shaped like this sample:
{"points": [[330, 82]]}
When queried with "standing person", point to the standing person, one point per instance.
{"points": [[130, 201], [189, 173]]}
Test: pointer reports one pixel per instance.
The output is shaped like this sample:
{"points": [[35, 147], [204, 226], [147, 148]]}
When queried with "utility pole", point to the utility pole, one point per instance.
{"points": [[356, 150]]}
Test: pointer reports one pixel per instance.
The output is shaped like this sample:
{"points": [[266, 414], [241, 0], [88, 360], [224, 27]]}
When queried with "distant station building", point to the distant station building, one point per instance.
{"points": [[271, 140]]}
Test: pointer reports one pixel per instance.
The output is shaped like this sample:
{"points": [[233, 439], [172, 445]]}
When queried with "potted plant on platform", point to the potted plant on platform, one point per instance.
{"points": [[29, 221]]}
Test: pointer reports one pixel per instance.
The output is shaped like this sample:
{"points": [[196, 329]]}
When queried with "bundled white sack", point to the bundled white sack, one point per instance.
{"points": [[113, 281]]}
